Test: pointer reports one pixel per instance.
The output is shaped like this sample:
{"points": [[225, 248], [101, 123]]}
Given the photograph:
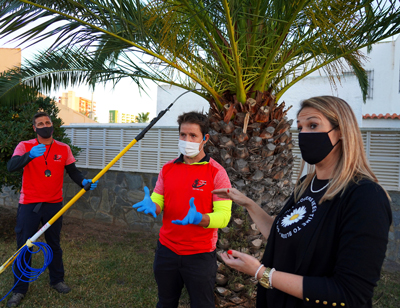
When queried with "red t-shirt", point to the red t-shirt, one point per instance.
{"points": [[36, 187], [178, 182]]}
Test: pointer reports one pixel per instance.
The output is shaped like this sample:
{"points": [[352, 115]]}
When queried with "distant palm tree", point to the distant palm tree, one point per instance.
{"points": [[244, 55], [142, 117]]}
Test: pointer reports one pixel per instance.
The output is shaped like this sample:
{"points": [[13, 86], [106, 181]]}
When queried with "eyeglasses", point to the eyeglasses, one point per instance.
{"points": [[43, 124]]}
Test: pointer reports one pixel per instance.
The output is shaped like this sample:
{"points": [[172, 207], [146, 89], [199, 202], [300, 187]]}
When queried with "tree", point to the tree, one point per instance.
{"points": [[242, 54], [16, 126], [142, 117]]}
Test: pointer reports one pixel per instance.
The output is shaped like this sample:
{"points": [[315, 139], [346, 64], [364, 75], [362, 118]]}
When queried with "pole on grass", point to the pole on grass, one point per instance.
{"points": [[30, 242]]}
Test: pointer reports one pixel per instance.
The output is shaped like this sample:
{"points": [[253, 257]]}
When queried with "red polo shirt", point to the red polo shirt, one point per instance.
{"points": [[177, 183], [36, 187]]}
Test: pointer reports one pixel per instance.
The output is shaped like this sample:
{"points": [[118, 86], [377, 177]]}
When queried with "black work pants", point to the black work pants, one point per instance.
{"points": [[29, 218], [197, 272]]}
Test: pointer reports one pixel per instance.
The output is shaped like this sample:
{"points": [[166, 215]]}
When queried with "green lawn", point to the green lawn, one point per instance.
{"points": [[113, 268], [387, 294], [108, 274]]}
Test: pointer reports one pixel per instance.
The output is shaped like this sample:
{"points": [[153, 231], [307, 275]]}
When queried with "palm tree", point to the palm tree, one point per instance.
{"points": [[142, 117], [244, 55]]}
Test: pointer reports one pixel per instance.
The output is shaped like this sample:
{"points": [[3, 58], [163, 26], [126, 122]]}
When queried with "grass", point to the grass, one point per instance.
{"points": [[116, 274], [387, 293], [114, 269]]}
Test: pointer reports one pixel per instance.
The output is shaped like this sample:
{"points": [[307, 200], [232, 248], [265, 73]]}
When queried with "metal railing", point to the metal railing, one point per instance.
{"points": [[100, 143]]}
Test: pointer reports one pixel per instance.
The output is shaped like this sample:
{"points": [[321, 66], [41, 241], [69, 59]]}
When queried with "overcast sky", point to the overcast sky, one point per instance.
{"points": [[125, 97]]}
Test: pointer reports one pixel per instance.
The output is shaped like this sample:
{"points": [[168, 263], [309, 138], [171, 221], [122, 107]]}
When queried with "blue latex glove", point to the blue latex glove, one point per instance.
{"points": [[193, 217], [92, 186], [37, 150], [146, 205]]}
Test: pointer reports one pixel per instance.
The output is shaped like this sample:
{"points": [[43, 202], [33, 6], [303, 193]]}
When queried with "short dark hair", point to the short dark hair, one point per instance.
{"points": [[194, 117], [38, 115]]}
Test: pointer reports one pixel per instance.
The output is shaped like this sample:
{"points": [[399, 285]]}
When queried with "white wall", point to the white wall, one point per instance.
{"points": [[384, 59], [379, 123], [316, 85]]}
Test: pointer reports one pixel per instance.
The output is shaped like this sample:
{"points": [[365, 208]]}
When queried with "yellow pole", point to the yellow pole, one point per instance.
{"points": [[96, 178], [29, 242], [11, 260], [67, 206]]}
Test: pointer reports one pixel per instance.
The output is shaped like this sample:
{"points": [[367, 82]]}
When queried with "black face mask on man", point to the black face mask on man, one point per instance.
{"points": [[315, 147], [45, 132]]}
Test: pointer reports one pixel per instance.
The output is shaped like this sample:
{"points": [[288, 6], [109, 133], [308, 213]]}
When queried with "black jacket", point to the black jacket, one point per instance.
{"points": [[342, 255]]}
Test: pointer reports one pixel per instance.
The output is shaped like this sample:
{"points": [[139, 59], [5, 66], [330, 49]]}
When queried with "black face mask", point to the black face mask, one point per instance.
{"points": [[315, 147], [45, 132]]}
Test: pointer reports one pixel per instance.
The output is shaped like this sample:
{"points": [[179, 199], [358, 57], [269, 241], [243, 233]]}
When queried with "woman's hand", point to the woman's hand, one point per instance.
{"points": [[241, 261], [289, 283], [258, 215], [233, 194]]}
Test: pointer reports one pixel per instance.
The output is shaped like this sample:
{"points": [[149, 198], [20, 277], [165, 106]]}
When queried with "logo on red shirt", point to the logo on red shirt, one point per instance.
{"points": [[57, 157], [198, 183]]}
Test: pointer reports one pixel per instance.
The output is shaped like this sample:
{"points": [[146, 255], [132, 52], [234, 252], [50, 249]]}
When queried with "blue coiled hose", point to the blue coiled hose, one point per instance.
{"points": [[28, 273]]}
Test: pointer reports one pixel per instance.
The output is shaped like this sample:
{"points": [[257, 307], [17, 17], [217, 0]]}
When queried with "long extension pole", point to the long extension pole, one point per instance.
{"points": [[30, 241]]}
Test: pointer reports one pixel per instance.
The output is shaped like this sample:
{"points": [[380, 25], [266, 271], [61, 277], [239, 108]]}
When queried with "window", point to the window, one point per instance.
{"points": [[348, 74], [370, 92]]}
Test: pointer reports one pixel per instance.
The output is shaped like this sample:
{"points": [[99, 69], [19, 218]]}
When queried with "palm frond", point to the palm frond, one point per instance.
{"points": [[223, 46], [13, 92]]}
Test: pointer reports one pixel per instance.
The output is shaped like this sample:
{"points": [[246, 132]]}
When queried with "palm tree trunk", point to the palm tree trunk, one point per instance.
{"points": [[252, 141]]}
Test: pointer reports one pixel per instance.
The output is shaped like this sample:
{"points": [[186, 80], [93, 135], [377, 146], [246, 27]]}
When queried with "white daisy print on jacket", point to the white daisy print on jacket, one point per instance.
{"points": [[297, 215]]}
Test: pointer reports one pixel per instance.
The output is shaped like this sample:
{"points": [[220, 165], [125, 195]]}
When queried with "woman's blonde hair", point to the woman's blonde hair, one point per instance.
{"points": [[352, 165]]}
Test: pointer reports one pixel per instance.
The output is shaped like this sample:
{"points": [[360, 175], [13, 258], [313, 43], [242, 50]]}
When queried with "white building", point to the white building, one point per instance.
{"points": [[381, 109], [82, 105]]}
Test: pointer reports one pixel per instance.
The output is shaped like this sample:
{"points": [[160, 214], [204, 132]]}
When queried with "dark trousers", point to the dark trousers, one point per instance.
{"points": [[197, 272], [29, 218]]}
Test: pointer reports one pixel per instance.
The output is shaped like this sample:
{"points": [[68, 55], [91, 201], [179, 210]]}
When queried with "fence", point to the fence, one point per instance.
{"points": [[382, 147], [100, 143]]}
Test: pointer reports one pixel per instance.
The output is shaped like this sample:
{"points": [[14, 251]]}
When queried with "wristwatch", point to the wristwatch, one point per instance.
{"points": [[264, 280]]}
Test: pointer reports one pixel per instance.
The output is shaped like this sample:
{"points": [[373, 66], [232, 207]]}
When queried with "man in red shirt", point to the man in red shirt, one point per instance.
{"points": [[192, 215], [43, 160]]}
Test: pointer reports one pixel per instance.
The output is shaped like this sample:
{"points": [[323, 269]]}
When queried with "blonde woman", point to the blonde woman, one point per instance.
{"points": [[327, 245]]}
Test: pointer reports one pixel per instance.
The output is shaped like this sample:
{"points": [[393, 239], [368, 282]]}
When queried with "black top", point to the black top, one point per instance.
{"points": [[338, 246], [294, 222]]}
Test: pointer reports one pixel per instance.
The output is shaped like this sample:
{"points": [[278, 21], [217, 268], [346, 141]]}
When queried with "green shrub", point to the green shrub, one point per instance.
{"points": [[16, 126]]}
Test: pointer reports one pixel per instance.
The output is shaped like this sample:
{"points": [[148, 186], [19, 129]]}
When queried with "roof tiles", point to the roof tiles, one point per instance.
{"points": [[381, 116]]}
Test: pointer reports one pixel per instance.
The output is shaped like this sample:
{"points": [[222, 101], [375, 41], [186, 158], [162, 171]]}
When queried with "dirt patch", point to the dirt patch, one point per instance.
{"points": [[78, 229], [8, 220], [73, 228]]}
